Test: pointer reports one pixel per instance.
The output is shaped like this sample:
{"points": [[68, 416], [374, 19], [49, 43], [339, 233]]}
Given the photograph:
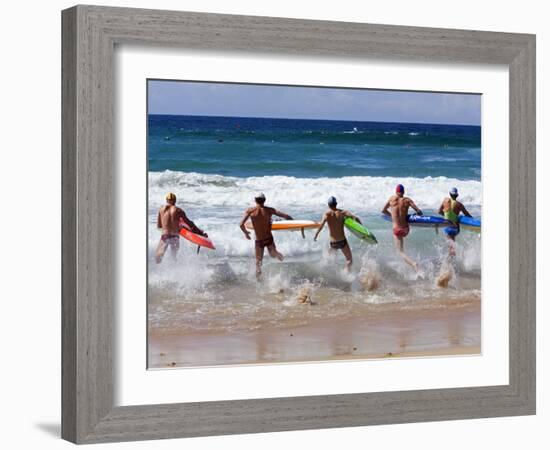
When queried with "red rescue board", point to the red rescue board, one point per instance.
{"points": [[197, 239]]}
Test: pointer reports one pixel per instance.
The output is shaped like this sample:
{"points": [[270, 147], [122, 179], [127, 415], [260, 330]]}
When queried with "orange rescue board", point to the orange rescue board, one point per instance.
{"points": [[289, 225]]}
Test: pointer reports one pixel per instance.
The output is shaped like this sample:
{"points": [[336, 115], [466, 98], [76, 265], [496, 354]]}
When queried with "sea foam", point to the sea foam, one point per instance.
{"points": [[363, 192]]}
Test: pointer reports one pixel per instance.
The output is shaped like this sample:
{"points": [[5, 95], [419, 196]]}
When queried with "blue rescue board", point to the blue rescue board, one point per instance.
{"points": [[423, 221], [469, 223]]}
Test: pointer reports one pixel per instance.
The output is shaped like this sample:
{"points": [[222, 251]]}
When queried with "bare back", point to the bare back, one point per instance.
{"points": [[169, 219], [456, 206], [261, 217], [451, 209], [399, 210], [335, 221]]}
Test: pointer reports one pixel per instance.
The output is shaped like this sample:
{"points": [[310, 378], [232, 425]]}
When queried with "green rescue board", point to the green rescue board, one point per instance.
{"points": [[360, 231]]}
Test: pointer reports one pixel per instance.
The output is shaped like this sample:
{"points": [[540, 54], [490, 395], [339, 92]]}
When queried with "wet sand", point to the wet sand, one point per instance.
{"points": [[380, 334]]}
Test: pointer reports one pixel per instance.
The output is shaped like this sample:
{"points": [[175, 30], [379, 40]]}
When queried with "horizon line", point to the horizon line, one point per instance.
{"points": [[320, 120]]}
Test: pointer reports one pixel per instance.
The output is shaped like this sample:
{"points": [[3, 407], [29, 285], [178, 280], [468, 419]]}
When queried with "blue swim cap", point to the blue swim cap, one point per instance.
{"points": [[400, 189], [453, 191], [332, 201]]}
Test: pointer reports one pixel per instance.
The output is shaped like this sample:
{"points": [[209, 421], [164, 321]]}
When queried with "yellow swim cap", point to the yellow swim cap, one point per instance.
{"points": [[170, 197]]}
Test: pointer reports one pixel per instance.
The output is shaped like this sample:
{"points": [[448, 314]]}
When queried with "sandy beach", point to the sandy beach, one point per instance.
{"points": [[380, 334]]}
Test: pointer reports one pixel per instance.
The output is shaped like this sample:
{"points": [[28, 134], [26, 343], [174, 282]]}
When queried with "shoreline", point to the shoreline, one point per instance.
{"points": [[378, 335]]}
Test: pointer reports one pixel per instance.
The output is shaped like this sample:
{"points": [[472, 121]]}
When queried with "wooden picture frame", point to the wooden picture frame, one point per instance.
{"points": [[90, 34]]}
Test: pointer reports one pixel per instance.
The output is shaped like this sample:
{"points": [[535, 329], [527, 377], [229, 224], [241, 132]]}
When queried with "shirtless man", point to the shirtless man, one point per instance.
{"points": [[400, 205], [451, 208], [261, 217], [335, 217], [170, 219]]}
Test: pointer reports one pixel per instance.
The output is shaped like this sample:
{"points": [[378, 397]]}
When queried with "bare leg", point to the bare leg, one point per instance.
{"points": [[349, 259], [399, 245], [445, 276], [161, 250], [274, 253], [259, 260], [452, 245], [174, 247]]}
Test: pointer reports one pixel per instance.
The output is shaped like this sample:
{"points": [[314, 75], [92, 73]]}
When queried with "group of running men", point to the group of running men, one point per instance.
{"points": [[171, 218]]}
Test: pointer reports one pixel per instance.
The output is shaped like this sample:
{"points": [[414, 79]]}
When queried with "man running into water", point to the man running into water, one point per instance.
{"points": [[335, 217], [451, 208], [261, 217], [400, 205], [170, 219]]}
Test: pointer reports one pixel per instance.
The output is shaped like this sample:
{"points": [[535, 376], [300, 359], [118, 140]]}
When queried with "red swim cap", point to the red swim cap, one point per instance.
{"points": [[399, 189]]}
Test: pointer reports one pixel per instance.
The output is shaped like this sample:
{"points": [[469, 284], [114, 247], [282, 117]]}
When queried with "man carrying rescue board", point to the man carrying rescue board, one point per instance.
{"points": [[170, 219], [261, 216], [451, 208], [335, 218], [400, 205]]}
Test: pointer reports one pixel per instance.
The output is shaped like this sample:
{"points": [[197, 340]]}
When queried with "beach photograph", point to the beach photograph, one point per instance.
{"points": [[290, 224]]}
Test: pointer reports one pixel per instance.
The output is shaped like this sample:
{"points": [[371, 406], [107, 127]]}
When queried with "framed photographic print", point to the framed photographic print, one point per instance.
{"points": [[249, 171], [256, 209]]}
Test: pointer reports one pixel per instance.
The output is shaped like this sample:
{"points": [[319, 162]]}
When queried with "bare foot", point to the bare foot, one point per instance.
{"points": [[370, 281], [304, 295], [444, 279]]}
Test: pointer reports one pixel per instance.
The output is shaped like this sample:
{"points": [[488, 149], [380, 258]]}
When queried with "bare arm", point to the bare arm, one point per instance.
{"points": [[441, 212], [243, 222], [385, 210], [323, 221], [159, 221], [465, 211], [354, 217], [416, 208], [282, 214], [191, 224]]}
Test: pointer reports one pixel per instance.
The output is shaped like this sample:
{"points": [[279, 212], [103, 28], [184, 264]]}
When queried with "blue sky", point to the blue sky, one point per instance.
{"points": [[242, 100]]}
